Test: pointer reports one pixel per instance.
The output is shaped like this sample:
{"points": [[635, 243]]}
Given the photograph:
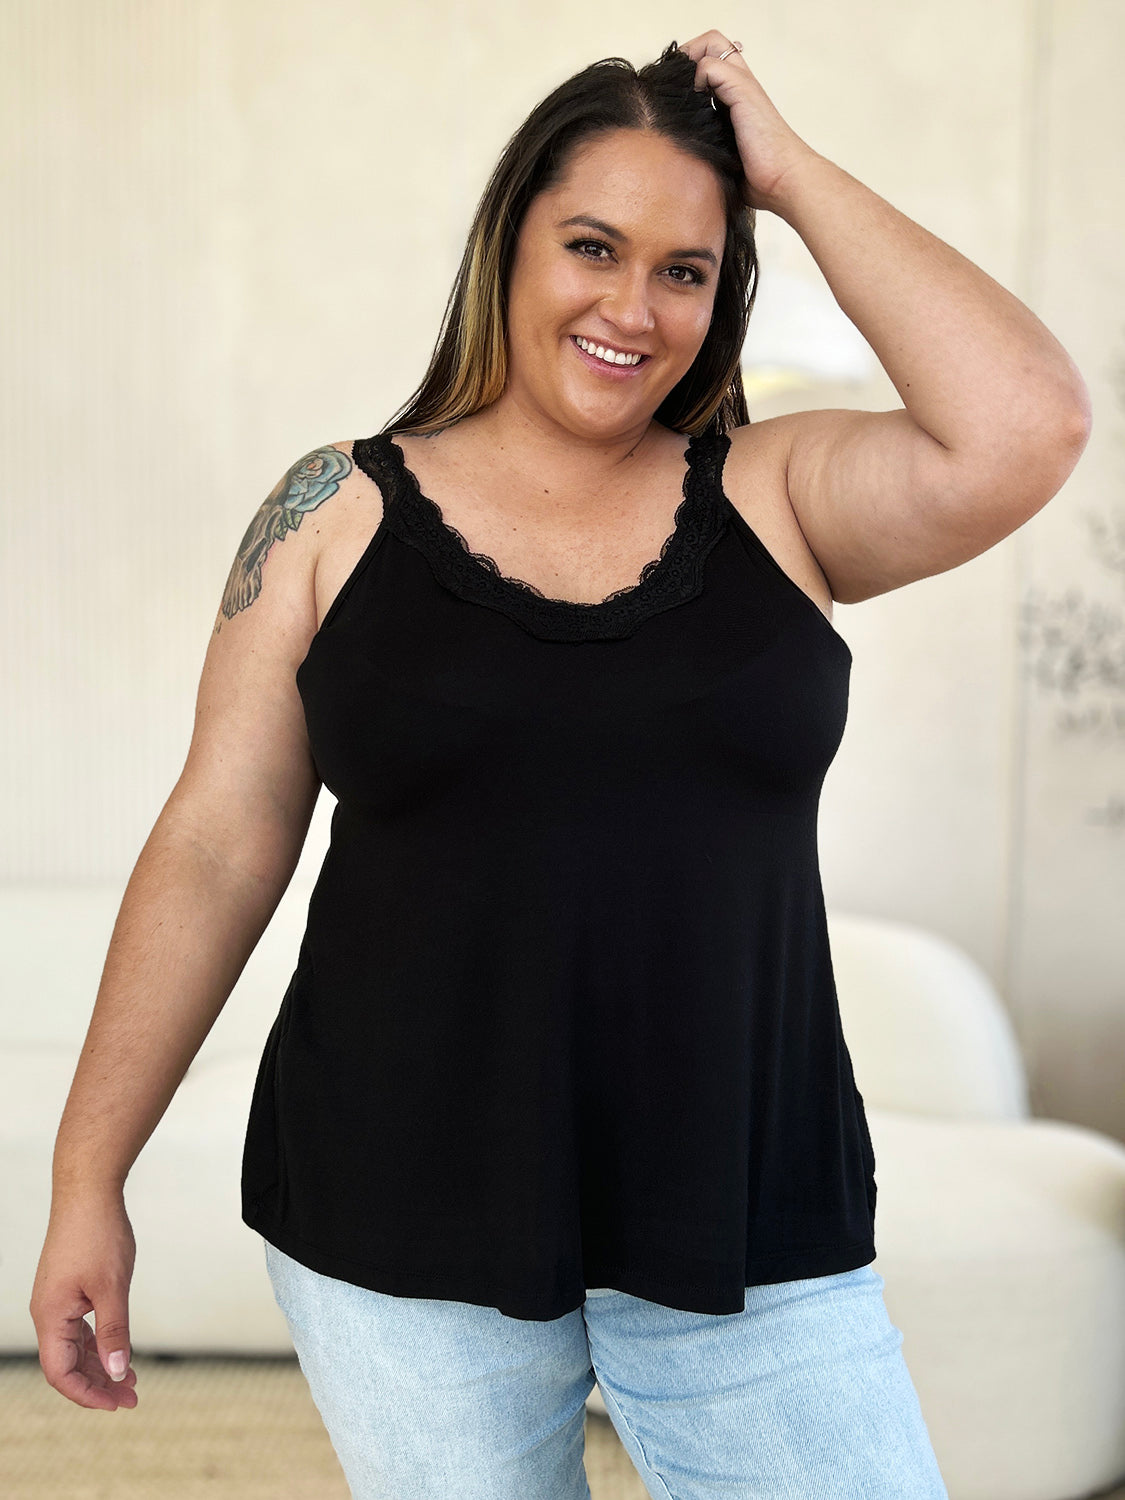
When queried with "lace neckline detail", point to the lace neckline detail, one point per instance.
{"points": [[672, 578]]}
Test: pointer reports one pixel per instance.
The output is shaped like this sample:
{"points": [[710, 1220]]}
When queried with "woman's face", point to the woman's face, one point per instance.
{"points": [[635, 272]]}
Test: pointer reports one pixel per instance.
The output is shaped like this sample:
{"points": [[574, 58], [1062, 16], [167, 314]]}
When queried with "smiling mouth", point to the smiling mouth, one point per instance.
{"points": [[589, 348]]}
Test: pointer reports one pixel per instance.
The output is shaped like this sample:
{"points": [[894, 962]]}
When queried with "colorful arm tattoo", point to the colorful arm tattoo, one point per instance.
{"points": [[312, 480]]}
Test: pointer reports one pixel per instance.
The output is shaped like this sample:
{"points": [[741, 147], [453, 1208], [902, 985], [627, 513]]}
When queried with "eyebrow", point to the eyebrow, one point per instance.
{"points": [[616, 234]]}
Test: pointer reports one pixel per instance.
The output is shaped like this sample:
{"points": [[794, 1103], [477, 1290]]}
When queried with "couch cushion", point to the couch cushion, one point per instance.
{"points": [[926, 1029]]}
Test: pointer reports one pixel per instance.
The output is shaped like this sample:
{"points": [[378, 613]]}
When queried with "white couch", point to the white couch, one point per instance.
{"points": [[1001, 1237]]}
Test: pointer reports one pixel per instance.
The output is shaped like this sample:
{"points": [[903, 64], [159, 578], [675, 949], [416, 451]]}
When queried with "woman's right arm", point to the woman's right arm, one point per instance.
{"points": [[207, 881]]}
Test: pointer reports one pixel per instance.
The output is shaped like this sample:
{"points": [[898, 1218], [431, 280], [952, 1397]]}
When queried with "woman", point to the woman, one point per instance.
{"points": [[558, 1090]]}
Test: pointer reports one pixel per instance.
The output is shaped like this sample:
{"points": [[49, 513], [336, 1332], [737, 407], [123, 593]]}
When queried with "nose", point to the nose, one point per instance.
{"points": [[628, 306]]}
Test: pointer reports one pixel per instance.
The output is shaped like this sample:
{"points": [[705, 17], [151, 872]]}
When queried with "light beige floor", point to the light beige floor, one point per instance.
{"points": [[212, 1429]]}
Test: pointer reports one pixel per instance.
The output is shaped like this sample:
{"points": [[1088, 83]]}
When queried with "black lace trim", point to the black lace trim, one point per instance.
{"points": [[673, 578]]}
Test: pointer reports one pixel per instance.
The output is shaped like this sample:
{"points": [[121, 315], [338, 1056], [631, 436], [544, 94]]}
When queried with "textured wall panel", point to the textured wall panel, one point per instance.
{"points": [[229, 232]]}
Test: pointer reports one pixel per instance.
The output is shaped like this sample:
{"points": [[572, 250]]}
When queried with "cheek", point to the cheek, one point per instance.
{"points": [[704, 312], [564, 286], [692, 324], [551, 296]]}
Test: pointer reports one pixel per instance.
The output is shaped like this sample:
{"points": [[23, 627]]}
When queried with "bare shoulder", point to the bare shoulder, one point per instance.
{"points": [[249, 785], [285, 512], [324, 509], [754, 480], [341, 531]]}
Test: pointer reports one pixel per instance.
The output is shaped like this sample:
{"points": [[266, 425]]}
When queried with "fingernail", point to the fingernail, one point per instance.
{"points": [[118, 1364]]}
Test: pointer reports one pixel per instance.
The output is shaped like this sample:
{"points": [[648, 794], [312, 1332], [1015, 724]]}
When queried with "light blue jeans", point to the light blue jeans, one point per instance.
{"points": [[804, 1395]]}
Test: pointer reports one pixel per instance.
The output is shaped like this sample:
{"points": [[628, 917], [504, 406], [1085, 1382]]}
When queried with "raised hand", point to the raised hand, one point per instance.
{"points": [[768, 146]]}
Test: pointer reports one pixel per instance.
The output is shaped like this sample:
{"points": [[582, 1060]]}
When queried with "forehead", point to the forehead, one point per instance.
{"points": [[632, 175]]}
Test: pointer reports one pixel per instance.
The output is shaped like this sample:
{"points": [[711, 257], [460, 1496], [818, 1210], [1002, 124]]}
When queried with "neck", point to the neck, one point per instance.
{"points": [[529, 441]]}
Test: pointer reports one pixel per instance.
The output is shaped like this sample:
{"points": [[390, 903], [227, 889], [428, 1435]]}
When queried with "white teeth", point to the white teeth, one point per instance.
{"points": [[610, 357]]}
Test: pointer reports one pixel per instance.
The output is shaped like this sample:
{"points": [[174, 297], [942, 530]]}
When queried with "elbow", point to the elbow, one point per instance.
{"points": [[1080, 427], [1077, 421], [1067, 409], [1064, 428], [1072, 431], [1013, 479], [1047, 463], [1060, 459], [1081, 410]]}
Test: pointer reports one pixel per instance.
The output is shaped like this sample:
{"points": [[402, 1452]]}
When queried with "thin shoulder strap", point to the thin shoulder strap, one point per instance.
{"points": [[380, 460]]}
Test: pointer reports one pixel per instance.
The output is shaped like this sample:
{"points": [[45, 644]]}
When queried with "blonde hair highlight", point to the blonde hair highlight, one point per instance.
{"points": [[469, 366]]}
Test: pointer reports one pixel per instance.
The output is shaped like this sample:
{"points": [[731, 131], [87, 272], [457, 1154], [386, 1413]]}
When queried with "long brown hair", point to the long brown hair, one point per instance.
{"points": [[469, 367]]}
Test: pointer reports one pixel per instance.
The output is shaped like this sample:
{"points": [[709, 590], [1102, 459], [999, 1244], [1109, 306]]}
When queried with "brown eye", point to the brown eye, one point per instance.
{"points": [[697, 278], [581, 245]]}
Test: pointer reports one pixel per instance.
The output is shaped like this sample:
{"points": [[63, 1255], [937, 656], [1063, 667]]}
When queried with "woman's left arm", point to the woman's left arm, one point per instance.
{"points": [[996, 412]]}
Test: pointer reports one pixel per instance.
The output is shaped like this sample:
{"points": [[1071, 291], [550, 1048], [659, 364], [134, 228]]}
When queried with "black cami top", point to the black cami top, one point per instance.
{"points": [[563, 1014]]}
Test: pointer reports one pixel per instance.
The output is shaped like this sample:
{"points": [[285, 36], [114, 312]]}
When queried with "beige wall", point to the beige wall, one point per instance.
{"points": [[230, 230]]}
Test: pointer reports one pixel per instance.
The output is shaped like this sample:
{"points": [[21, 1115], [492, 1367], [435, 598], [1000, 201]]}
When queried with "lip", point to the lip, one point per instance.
{"points": [[608, 372]]}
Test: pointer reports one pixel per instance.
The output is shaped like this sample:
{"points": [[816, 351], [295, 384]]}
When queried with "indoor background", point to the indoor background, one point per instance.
{"points": [[229, 230]]}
